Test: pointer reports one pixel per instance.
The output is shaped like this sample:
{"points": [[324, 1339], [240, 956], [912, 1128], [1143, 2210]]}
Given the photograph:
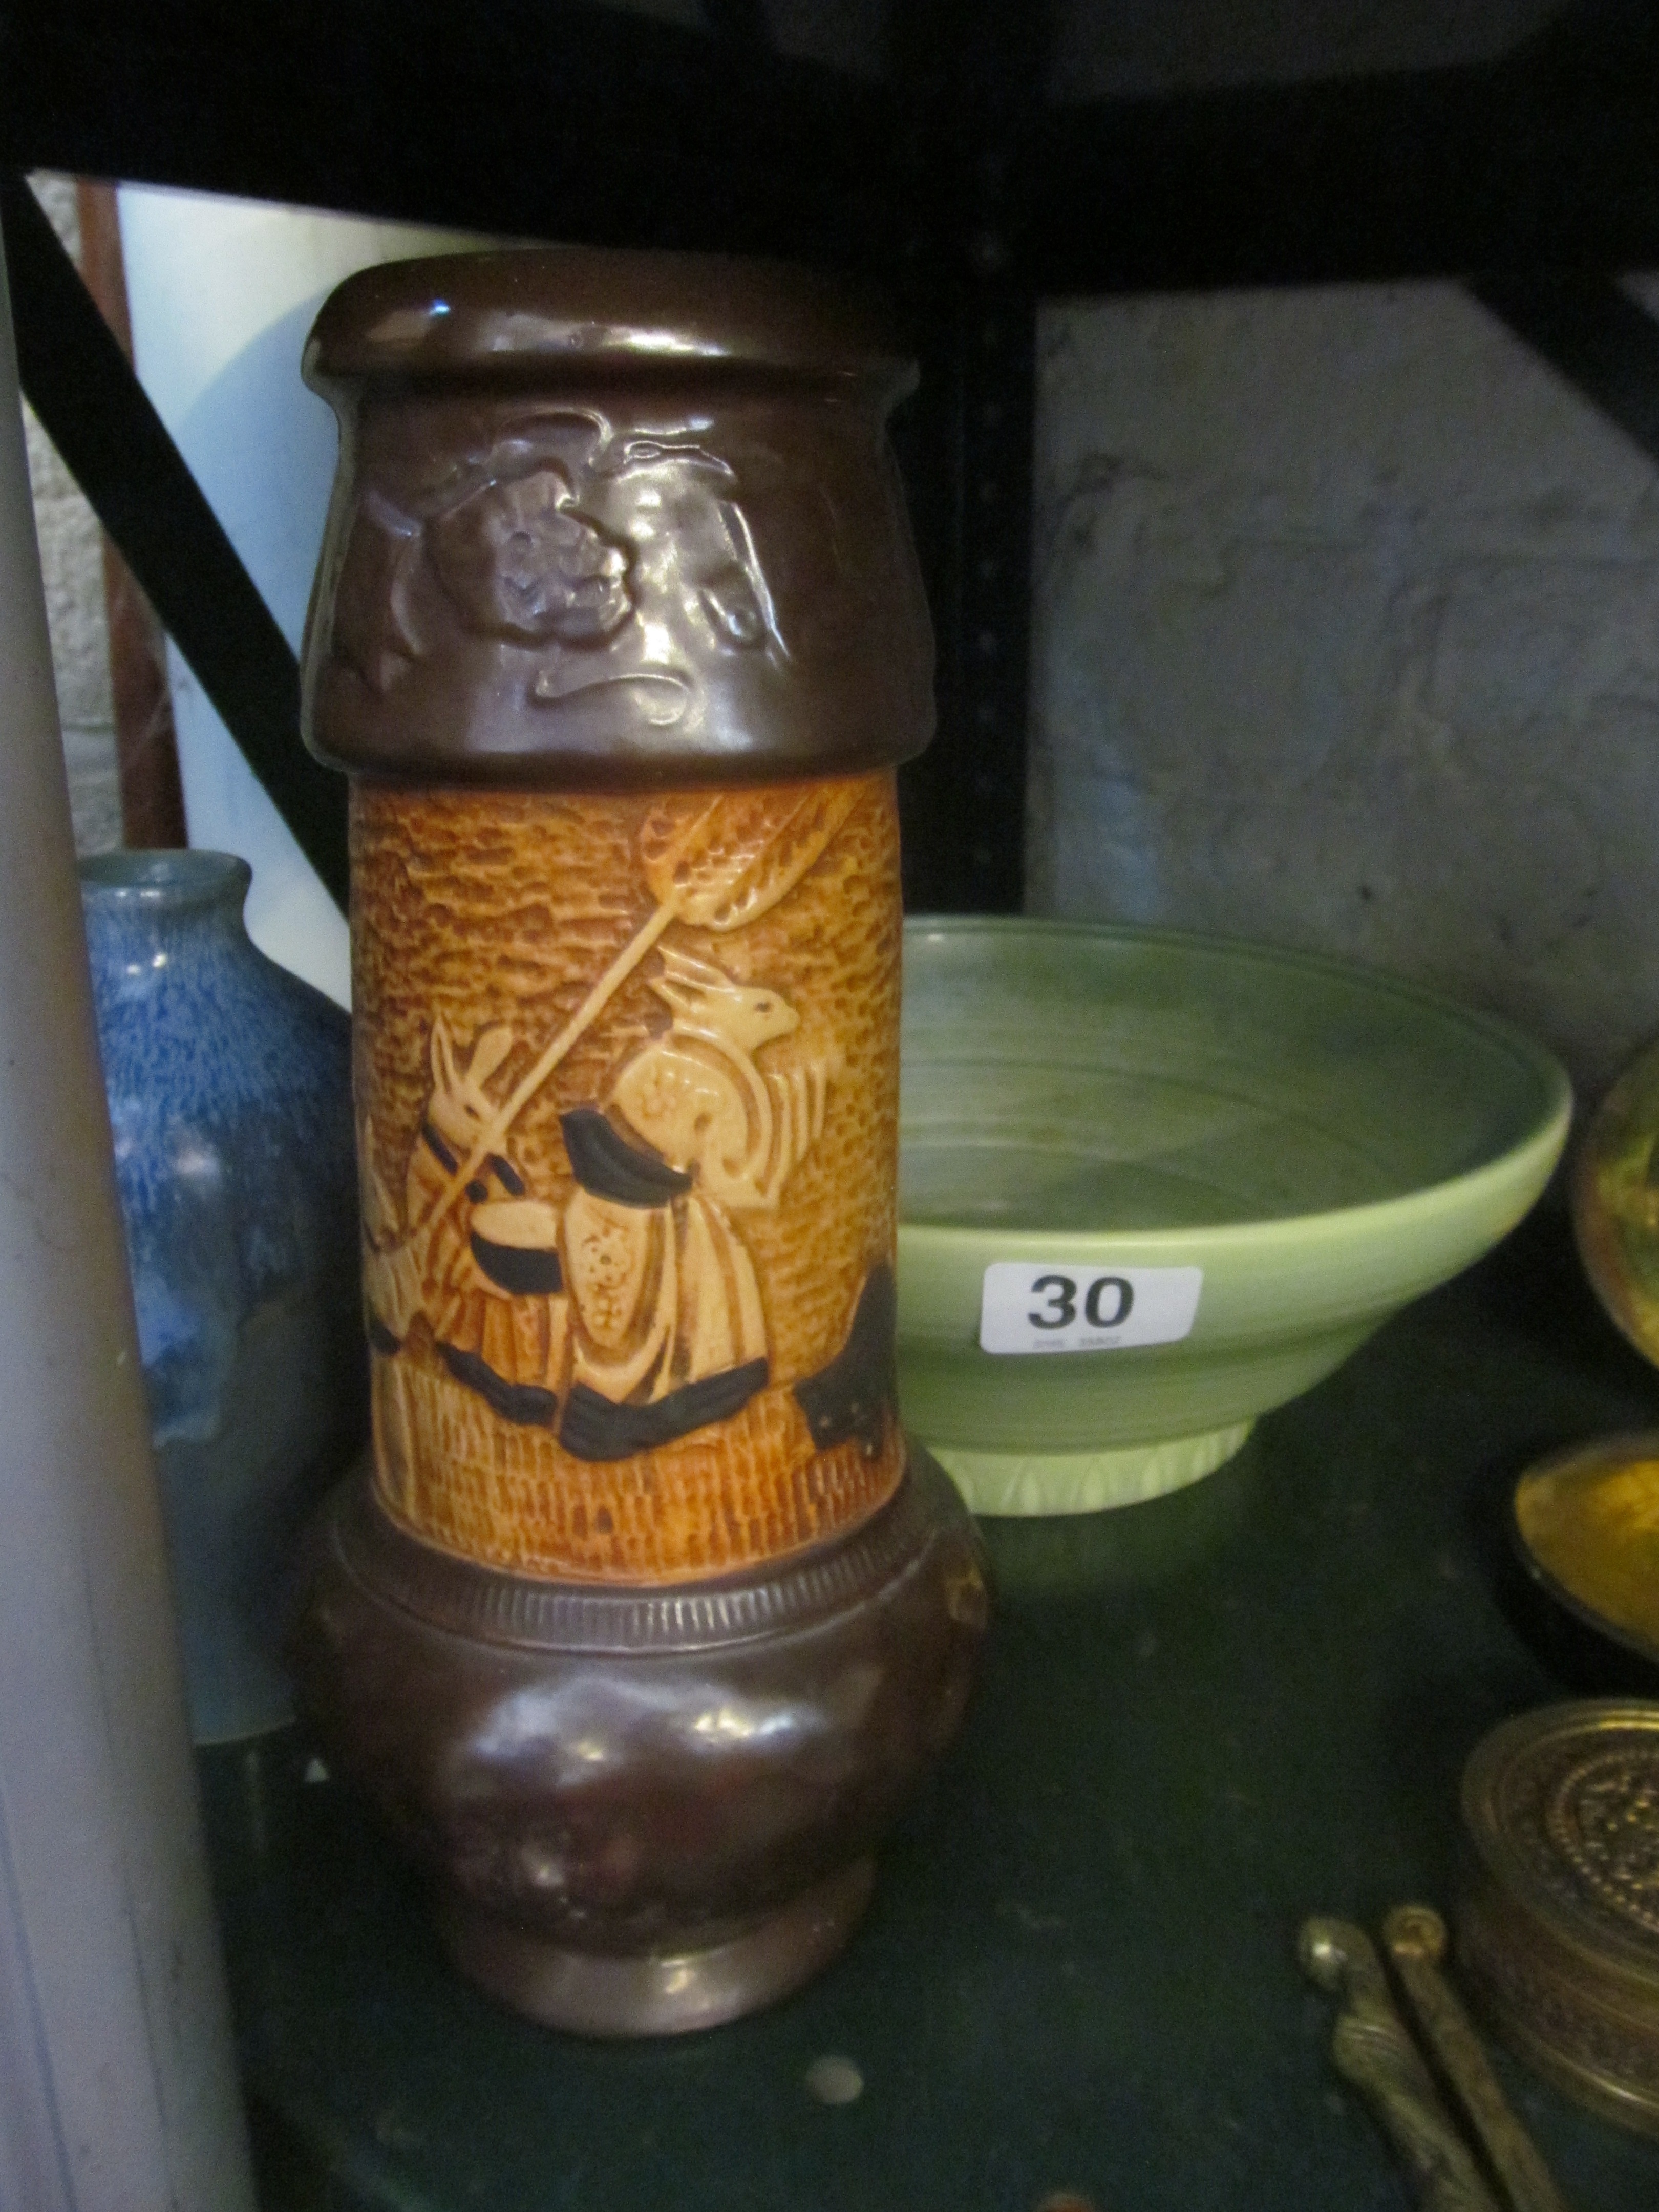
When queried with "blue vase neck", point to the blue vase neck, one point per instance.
{"points": [[142, 908]]}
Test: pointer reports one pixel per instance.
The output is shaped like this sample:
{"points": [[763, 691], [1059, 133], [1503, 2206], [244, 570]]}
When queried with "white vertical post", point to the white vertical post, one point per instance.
{"points": [[117, 2088]]}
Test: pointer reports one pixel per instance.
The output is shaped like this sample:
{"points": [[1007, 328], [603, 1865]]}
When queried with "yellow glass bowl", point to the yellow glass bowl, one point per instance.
{"points": [[1616, 1202], [1321, 1142]]}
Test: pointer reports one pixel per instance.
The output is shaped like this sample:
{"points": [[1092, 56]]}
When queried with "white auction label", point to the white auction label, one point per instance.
{"points": [[1030, 1305]]}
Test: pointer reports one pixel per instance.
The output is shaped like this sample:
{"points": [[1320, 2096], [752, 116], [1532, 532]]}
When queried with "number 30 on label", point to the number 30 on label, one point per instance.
{"points": [[1036, 1306]]}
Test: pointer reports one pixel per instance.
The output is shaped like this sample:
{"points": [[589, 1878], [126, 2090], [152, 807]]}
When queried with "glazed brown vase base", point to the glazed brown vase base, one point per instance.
{"points": [[649, 1809], [662, 1993]]}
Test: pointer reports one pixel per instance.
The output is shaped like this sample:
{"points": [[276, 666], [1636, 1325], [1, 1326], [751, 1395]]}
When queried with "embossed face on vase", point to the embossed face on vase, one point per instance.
{"points": [[626, 562], [694, 581], [642, 580], [520, 559]]}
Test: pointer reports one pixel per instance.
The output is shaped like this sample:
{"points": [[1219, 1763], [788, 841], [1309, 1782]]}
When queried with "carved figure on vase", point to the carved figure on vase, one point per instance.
{"points": [[572, 1279], [669, 1328], [670, 1323], [488, 1280]]}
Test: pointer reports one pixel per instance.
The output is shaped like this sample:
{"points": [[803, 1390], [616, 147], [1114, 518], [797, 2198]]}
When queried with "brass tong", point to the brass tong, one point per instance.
{"points": [[1373, 2048]]}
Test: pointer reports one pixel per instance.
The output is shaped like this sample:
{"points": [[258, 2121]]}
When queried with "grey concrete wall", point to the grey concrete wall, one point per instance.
{"points": [[71, 560], [1348, 637]]}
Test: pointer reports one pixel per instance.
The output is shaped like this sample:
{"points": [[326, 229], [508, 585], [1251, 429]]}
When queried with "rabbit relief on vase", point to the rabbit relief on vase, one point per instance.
{"points": [[634, 1305]]}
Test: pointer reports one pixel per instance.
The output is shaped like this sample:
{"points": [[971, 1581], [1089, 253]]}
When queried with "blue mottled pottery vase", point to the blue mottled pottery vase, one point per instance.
{"points": [[229, 1086]]}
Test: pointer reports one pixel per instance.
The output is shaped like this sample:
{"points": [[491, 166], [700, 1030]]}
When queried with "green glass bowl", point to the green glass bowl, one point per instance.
{"points": [[1324, 1143]]}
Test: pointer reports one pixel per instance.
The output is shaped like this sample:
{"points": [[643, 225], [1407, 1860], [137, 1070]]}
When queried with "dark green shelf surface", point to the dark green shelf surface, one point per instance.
{"points": [[1200, 1720]]}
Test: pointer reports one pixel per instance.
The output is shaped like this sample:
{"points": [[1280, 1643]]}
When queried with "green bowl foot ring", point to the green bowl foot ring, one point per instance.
{"points": [[1086, 1482]]}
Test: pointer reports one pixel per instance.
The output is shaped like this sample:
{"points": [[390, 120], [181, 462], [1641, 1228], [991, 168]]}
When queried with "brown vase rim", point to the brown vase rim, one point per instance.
{"points": [[644, 645], [549, 312]]}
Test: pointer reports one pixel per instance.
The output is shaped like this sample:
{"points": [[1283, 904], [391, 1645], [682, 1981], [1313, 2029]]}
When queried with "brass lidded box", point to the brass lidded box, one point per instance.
{"points": [[1558, 1937]]}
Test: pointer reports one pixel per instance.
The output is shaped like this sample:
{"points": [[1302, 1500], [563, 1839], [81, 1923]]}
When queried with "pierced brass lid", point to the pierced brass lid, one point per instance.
{"points": [[1587, 1521], [1558, 1937]]}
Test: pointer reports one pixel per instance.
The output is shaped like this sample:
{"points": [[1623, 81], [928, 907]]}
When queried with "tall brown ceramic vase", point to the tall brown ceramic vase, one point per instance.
{"points": [[648, 1617]]}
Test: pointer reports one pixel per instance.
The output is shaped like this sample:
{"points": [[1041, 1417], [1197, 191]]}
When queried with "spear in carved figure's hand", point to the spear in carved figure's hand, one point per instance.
{"points": [[717, 869]]}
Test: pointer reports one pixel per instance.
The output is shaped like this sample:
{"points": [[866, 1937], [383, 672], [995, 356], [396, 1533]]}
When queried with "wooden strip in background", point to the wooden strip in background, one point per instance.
{"points": [[96, 413], [146, 747]]}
